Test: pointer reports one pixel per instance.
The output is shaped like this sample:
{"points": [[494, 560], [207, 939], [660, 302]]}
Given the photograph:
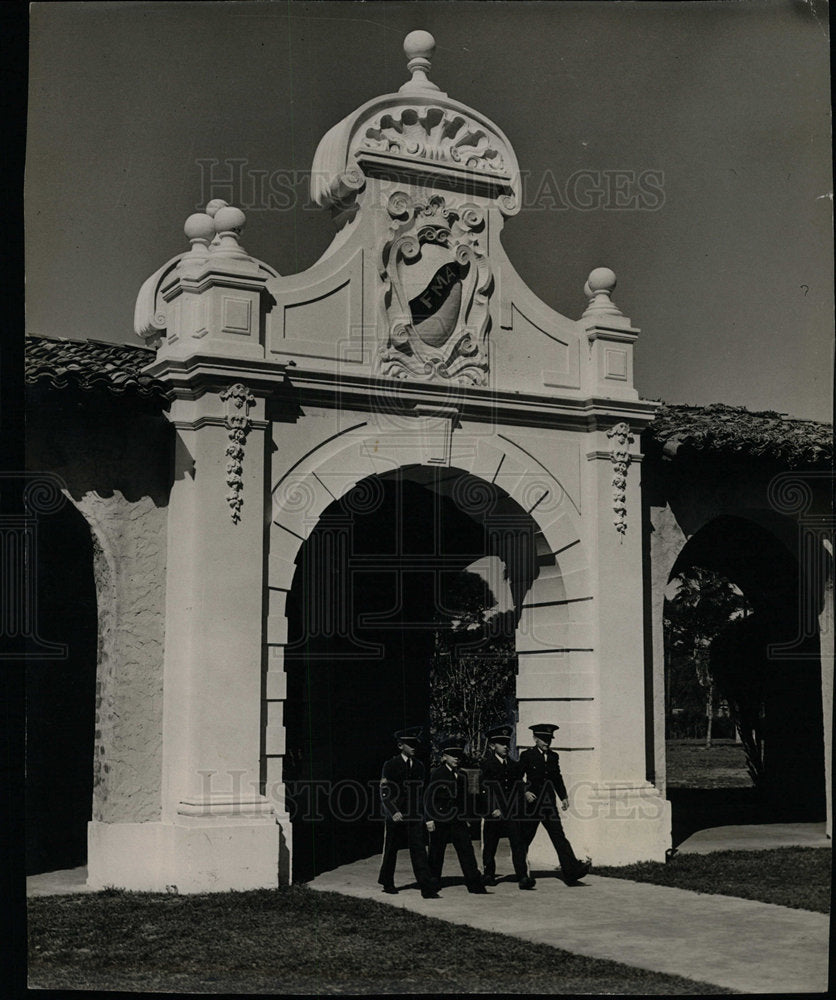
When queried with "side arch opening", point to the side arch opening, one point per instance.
{"points": [[61, 697], [766, 762]]}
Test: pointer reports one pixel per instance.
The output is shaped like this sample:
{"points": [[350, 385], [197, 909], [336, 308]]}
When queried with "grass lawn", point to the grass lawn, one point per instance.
{"points": [[798, 877], [690, 764], [711, 787], [295, 940]]}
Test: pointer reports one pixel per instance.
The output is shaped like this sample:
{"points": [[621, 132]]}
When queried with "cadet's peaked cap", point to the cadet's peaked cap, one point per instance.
{"points": [[410, 736], [453, 746], [499, 734], [545, 730]]}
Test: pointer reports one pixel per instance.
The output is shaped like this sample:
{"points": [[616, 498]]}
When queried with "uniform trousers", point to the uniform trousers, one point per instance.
{"points": [[457, 832], [408, 833], [570, 867], [492, 830]]}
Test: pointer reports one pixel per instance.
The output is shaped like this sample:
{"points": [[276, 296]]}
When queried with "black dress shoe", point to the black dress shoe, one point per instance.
{"points": [[390, 889], [477, 890], [583, 868], [489, 880], [430, 894], [527, 883]]}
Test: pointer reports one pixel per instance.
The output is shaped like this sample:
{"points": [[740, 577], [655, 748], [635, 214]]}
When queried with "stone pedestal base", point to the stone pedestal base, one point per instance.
{"points": [[612, 824], [165, 857]]}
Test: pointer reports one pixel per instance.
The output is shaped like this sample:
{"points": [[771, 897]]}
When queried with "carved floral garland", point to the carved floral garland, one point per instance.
{"points": [[237, 397], [620, 440]]}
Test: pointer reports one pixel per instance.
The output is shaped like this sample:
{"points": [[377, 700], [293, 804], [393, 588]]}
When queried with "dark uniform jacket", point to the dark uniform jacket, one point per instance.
{"points": [[445, 796], [543, 777], [401, 789], [501, 786]]}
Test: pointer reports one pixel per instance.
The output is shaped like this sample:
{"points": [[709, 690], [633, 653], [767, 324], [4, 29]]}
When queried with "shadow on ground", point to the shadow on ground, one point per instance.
{"points": [[696, 809]]}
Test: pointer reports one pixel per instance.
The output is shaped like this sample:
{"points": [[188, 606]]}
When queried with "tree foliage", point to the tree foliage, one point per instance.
{"points": [[738, 661], [474, 664], [701, 609]]}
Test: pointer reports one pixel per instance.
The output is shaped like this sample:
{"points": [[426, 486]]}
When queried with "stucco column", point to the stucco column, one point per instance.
{"points": [[217, 831], [629, 816], [213, 661]]}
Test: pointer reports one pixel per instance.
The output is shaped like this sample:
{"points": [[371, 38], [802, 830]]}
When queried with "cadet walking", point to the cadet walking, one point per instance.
{"points": [[445, 809], [544, 788], [502, 786], [401, 788]]}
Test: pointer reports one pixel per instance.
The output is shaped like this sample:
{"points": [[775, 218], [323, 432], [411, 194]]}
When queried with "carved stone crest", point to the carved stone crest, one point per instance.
{"points": [[437, 287]]}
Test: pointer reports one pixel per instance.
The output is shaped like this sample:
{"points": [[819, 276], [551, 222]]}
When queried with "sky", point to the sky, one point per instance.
{"points": [[718, 111]]}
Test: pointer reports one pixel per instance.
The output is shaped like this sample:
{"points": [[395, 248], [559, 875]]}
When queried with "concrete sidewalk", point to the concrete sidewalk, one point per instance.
{"points": [[60, 883], [757, 837], [735, 943]]}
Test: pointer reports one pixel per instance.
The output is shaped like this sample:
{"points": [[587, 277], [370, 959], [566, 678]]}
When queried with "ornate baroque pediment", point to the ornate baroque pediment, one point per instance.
{"points": [[437, 283], [433, 133]]}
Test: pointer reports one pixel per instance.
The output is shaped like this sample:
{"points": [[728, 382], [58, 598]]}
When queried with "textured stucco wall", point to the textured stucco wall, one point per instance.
{"points": [[114, 456]]}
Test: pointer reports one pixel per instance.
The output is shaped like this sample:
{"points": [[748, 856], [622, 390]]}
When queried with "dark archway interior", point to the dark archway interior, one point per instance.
{"points": [[60, 697], [369, 583], [768, 574]]}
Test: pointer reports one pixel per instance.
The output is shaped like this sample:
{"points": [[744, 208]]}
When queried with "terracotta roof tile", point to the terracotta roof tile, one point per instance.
{"points": [[90, 364], [734, 430]]}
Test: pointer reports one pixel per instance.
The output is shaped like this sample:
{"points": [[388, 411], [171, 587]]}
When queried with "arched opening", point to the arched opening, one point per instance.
{"points": [[771, 768], [363, 611], [60, 697]]}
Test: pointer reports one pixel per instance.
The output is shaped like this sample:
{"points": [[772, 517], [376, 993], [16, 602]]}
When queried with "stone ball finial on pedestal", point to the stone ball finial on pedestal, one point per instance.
{"points": [[228, 223], [418, 47], [229, 220], [200, 231], [214, 206], [598, 289]]}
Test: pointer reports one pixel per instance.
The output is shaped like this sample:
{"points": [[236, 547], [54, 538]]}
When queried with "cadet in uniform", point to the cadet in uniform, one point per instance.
{"points": [[401, 787], [502, 786], [544, 788], [445, 808]]}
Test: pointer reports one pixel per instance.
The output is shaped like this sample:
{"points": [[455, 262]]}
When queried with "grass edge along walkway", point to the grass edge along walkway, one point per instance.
{"points": [[295, 940], [796, 877]]}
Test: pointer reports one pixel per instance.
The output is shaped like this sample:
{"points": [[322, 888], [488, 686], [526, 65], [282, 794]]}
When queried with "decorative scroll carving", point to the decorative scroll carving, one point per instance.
{"points": [[150, 312], [620, 440], [238, 401], [433, 133], [437, 286]]}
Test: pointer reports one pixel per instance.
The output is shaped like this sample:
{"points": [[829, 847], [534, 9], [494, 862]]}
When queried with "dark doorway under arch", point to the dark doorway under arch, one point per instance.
{"points": [[60, 697], [757, 556], [361, 617]]}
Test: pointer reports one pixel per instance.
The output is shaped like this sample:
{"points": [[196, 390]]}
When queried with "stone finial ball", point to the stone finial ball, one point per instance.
{"points": [[229, 219], [601, 279], [214, 205], [199, 227], [419, 45]]}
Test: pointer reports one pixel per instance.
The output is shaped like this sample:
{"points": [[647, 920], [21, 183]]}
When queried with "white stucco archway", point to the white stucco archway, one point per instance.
{"points": [[555, 638]]}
